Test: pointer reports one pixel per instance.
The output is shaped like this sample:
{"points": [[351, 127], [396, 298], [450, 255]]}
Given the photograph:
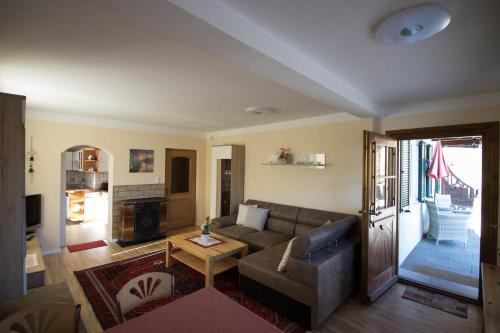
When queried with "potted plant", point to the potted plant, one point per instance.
{"points": [[205, 230]]}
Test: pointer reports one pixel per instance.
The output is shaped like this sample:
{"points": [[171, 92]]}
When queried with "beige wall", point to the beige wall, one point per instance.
{"points": [[337, 188], [51, 139]]}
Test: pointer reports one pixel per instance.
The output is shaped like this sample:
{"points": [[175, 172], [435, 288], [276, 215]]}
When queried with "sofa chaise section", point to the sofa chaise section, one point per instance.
{"points": [[322, 272]]}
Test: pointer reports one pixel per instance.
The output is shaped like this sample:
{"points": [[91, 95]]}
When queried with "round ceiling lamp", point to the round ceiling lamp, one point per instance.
{"points": [[259, 109], [413, 24]]}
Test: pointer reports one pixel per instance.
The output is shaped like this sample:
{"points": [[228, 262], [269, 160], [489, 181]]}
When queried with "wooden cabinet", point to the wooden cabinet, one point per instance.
{"points": [[89, 161], [12, 203], [35, 266], [228, 177], [86, 159], [76, 205], [68, 160]]}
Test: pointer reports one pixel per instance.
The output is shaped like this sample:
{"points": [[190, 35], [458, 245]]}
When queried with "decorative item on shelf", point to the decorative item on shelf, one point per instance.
{"points": [[285, 155], [32, 156], [205, 230], [91, 169], [91, 157]]}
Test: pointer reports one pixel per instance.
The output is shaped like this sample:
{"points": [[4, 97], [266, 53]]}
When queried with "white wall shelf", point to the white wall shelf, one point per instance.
{"points": [[312, 161]]}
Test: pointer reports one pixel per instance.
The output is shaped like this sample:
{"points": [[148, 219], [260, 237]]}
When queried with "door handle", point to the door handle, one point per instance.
{"points": [[381, 227], [362, 211]]}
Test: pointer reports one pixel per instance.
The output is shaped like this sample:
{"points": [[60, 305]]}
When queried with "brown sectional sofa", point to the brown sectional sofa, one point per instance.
{"points": [[324, 265]]}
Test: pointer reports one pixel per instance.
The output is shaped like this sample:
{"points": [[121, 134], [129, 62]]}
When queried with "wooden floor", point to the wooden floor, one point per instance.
{"points": [[85, 232], [390, 313]]}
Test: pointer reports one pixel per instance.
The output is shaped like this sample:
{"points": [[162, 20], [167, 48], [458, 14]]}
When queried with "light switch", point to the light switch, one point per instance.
{"points": [[157, 180]]}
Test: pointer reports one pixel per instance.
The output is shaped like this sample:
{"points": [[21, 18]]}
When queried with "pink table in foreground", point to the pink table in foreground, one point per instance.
{"points": [[206, 310]]}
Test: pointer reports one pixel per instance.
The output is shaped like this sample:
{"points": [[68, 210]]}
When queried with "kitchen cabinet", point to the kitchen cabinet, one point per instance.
{"points": [[76, 204], [86, 159], [68, 160], [86, 205]]}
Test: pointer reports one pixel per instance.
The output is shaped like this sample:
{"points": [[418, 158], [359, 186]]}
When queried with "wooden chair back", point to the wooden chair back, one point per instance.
{"points": [[144, 288], [44, 318]]}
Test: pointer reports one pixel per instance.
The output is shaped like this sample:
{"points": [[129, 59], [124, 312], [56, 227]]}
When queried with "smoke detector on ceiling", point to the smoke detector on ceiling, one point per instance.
{"points": [[413, 24], [259, 109]]}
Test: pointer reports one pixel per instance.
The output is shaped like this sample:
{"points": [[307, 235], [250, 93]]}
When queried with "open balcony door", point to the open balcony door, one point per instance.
{"points": [[380, 179]]}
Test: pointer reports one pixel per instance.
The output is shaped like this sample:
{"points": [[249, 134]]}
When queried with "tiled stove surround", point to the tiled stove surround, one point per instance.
{"points": [[123, 192]]}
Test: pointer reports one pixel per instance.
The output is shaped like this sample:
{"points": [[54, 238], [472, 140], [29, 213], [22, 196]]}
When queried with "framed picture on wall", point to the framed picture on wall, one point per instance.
{"points": [[141, 160]]}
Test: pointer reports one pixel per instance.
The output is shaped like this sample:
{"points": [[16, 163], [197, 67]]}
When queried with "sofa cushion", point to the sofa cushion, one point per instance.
{"points": [[260, 204], [282, 218], [264, 239], [242, 213], [286, 256], [235, 231], [222, 222], [281, 226], [284, 212], [256, 218], [315, 218], [301, 228], [324, 265], [319, 238], [261, 267]]}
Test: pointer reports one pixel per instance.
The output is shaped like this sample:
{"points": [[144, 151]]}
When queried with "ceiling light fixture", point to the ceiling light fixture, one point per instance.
{"points": [[412, 24], [259, 109]]}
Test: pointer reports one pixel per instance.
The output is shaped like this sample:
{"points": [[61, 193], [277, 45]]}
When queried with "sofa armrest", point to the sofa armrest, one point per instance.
{"points": [[224, 221]]}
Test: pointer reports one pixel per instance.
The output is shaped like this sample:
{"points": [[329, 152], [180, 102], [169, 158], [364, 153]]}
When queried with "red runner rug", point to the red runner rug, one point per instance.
{"points": [[86, 246], [102, 283]]}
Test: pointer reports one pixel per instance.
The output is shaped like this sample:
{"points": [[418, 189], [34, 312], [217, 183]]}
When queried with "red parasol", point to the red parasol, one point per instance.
{"points": [[438, 168]]}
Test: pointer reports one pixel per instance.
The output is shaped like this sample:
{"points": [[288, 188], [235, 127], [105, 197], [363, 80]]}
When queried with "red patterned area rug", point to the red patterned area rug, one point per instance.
{"points": [[102, 283]]}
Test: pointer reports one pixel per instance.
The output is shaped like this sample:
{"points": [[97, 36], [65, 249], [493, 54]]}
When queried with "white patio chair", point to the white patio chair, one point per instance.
{"points": [[443, 201], [445, 224]]}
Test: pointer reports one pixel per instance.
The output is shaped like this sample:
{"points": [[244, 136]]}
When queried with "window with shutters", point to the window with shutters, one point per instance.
{"points": [[429, 188], [424, 182], [422, 171], [405, 169]]}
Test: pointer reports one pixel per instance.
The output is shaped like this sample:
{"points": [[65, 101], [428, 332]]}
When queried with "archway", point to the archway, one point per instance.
{"points": [[86, 194]]}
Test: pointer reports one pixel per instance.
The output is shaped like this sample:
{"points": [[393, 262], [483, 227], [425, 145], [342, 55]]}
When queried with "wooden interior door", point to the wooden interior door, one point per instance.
{"points": [[180, 187], [379, 214]]}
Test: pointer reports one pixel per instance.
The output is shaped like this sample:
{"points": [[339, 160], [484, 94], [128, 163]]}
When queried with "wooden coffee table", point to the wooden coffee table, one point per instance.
{"points": [[208, 261]]}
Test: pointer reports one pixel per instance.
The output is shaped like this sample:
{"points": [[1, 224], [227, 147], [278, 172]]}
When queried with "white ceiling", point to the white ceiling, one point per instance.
{"points": [[86, 58], [196, 64], [337, 35]]}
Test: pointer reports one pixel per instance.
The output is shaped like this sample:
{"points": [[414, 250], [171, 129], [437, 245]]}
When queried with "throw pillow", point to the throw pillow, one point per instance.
{"points": [[242, 213], [256, 218], [286, 256]]}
